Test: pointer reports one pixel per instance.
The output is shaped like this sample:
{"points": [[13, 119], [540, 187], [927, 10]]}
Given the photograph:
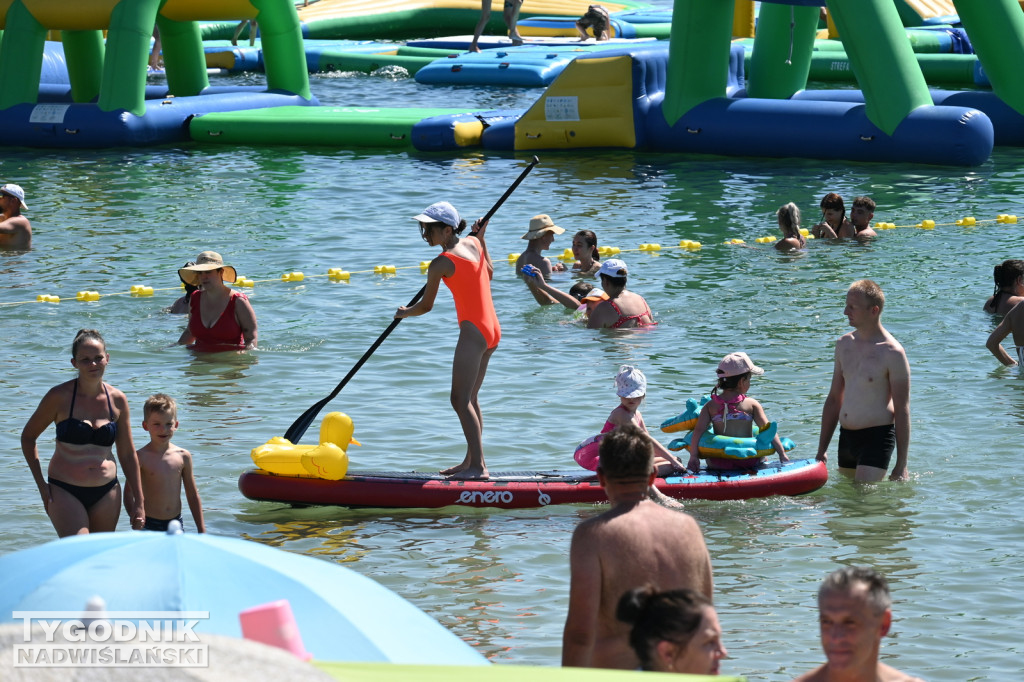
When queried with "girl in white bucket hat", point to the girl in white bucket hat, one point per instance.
{"points": [[631, 387]]}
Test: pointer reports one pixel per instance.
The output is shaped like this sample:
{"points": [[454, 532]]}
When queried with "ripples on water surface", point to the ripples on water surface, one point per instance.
{"points": [[948, 540]]}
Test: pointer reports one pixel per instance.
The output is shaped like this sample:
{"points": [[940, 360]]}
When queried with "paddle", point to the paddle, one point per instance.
{"points": [[298, 429]]}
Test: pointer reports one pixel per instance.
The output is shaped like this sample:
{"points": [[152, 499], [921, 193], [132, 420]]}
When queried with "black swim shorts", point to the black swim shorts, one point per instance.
{"points": [[871, 447]]}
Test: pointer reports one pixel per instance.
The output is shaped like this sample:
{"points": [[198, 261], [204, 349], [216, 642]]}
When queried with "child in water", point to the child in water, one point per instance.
{"points": [[631, 387], [731, 413], [789, 223]]}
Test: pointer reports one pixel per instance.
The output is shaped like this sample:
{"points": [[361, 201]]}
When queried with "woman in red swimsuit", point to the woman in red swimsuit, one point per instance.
{"points": [[80, 492], [219, 318], [623, 309], [466, 269]]}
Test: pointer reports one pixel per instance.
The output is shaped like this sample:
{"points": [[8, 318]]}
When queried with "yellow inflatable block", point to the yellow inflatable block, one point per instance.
{"points": [[589, 105]]}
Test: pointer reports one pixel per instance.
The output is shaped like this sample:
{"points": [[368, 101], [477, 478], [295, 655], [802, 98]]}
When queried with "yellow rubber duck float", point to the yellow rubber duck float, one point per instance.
{"points": [[328, 460]]}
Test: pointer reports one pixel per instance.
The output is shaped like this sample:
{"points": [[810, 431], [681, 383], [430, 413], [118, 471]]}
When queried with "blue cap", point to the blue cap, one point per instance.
{"points": [[441, 212]]}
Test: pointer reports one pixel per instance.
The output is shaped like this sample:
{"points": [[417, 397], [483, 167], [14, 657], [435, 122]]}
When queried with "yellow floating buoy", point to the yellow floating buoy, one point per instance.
{"points": [[87, 296], [734, 241], [927, 224], [608, 250], [512, 258], [567, 255], [650, 247], [244, 282], [292, 277], [47, 298], [967, 222], [384, 269], [885, 226], [689, 244], [804, 232], [765, 240], [1006, 219], [337, 274], [424, 266], [141, 290]]}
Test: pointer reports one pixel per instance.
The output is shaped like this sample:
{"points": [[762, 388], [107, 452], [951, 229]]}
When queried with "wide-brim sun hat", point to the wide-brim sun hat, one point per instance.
{"points": [[735, 364], [15, 191], [539, 224], [440, 212], [630, 382], [206, 261], [613, 267]]}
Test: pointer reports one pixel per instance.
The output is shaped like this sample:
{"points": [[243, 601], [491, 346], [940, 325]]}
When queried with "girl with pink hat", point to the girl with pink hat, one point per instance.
{"points": [[731, 413]]}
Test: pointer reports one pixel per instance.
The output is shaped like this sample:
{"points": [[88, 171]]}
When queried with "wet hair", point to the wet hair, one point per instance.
{"points": [[626, 454], [580, 289], [871, 291], [866, 202], [728, 383], [789, 219], [189, 288], [84, 335], [674, 616], [833, 201], [1007, 272], [159, 402], [590, 239], [845, 579]]}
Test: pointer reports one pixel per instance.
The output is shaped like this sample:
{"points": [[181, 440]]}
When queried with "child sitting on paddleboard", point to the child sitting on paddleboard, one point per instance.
{"points": [[631, 387], [731, 413]]}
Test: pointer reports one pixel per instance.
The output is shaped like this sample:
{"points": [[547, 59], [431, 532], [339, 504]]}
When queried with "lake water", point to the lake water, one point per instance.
{"points": [[948, 540]]}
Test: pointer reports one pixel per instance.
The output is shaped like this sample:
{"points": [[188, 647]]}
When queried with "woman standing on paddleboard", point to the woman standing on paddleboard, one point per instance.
{"points": [[466, 269]]}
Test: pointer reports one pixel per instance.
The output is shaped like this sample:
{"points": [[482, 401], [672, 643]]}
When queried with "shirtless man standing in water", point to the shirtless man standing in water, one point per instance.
{"points": [[635, 543], [870, 394]]}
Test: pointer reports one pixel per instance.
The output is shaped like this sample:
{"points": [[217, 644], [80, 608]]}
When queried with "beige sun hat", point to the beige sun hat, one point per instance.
{"points": [[206, 261], [539, 224]]}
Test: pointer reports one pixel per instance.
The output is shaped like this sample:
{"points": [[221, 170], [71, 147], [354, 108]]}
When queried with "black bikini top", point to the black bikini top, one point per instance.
{"points": [[78, 432]]}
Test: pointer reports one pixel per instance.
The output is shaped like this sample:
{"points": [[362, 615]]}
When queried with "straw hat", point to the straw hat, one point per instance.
{"points": [[539, 224], [206, 261]]}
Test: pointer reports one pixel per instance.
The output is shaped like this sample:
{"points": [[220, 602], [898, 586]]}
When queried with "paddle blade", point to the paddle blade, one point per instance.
{"points": [[298, 428]]}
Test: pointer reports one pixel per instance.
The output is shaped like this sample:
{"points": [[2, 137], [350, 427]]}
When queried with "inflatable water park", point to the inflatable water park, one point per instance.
{"points": [[698, 92]]}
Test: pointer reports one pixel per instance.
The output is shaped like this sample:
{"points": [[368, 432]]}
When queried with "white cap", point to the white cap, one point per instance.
{"points": [[15, 191], [441, 212]]}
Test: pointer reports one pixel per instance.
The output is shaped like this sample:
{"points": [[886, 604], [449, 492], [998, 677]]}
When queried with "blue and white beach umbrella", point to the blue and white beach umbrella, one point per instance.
{"points": [[341, 615]]}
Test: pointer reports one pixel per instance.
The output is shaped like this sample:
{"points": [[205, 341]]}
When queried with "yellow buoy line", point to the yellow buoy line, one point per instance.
{"points": [[342, 275]]}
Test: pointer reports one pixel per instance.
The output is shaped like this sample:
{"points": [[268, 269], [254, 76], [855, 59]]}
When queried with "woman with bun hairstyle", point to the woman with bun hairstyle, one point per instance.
{"points": [[81, 493], [673, 632]]}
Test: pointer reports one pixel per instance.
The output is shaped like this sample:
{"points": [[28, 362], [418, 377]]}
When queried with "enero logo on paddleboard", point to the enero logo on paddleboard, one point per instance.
{"points": [[489, 497]]}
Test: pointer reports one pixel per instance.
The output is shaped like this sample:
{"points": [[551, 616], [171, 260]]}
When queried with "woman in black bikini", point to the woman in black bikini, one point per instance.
{"points": [[81, 493]]}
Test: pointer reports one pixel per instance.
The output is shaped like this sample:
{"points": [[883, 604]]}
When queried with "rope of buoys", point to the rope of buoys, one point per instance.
{"points": [[341, 275]]}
